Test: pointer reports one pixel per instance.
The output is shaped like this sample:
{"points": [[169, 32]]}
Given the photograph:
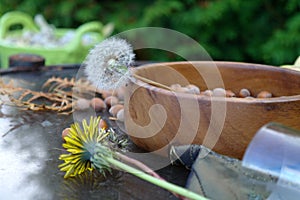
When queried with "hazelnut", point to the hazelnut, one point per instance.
{"points": [[181, 90], [192, 89], [244, 93], [106, 93], [207, 93], [120, 115], [219, 92], [111, 101], [82, 104], [103, 124], [120, 93], [115, 109], [175, 86], [178, 88], [65, 132], [98, 104], [229, 93], [264, 94]]}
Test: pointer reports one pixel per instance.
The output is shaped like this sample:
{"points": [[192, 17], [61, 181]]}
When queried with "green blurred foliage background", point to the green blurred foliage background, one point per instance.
{"points": [[259, 31]]}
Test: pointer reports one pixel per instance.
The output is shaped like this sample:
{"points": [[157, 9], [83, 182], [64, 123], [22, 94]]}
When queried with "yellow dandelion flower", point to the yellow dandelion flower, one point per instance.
{"points": [[82, 143]]}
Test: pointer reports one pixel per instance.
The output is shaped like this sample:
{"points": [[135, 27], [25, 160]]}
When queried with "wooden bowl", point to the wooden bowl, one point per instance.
{"points": [[156, 118]]}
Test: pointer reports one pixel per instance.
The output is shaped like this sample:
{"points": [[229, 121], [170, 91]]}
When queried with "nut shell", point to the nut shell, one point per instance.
{"points": [[106, 93], [181, 90], [111, 101], [98, 104], [82, 104], [103, 124], [175, 86], [65, 132], [192, 89], [264, 94], [120, 93], [178, 88], [208, 93], [244, 93], [229, 93], [219, 92], [120, 115], [115, 109]]}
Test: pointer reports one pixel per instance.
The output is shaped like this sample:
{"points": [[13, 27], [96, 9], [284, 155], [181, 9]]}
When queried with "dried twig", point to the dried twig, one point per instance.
{"points": [[60, 95]]}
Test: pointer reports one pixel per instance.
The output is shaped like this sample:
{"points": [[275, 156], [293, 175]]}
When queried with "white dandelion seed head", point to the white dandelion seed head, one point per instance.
{"points": [[106, 65]]}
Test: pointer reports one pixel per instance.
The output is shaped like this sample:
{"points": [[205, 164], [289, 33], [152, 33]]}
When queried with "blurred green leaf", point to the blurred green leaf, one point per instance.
{"points": [[259, 31]]}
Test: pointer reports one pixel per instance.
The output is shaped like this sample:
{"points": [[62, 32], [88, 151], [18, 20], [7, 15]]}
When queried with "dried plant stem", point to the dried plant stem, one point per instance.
{"points": [[113, 118], [151, 82], [60, 95], [161, 183]]}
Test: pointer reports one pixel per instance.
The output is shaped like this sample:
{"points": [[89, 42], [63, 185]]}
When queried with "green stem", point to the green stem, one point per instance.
{"points": [[163, 184]]}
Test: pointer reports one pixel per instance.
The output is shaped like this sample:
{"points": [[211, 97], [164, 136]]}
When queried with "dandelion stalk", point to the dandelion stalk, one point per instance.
{"points": [[161, 183], [90, 147]]}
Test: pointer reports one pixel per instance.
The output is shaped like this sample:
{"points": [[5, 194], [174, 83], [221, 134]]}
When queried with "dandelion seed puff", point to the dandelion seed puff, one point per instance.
{"points": [[106, 65]]}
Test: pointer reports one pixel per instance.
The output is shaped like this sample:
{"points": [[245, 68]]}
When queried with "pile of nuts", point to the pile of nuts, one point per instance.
{"points": [[219, 92], [111, 100]]}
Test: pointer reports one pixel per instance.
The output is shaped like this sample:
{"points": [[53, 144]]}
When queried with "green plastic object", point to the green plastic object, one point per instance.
{"points": [[71, 53], [295, 66]]}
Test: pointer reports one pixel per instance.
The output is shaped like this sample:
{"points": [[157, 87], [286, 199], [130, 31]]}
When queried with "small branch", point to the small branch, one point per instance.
{"points": [[152, 82], [113, 118]]}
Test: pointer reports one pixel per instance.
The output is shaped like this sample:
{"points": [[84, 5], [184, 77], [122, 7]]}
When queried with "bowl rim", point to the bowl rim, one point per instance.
{"points": [[281, 99]]}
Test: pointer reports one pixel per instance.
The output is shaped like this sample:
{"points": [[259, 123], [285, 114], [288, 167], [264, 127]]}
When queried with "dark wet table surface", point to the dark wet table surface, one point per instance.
{"points": [[30, 144]]}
